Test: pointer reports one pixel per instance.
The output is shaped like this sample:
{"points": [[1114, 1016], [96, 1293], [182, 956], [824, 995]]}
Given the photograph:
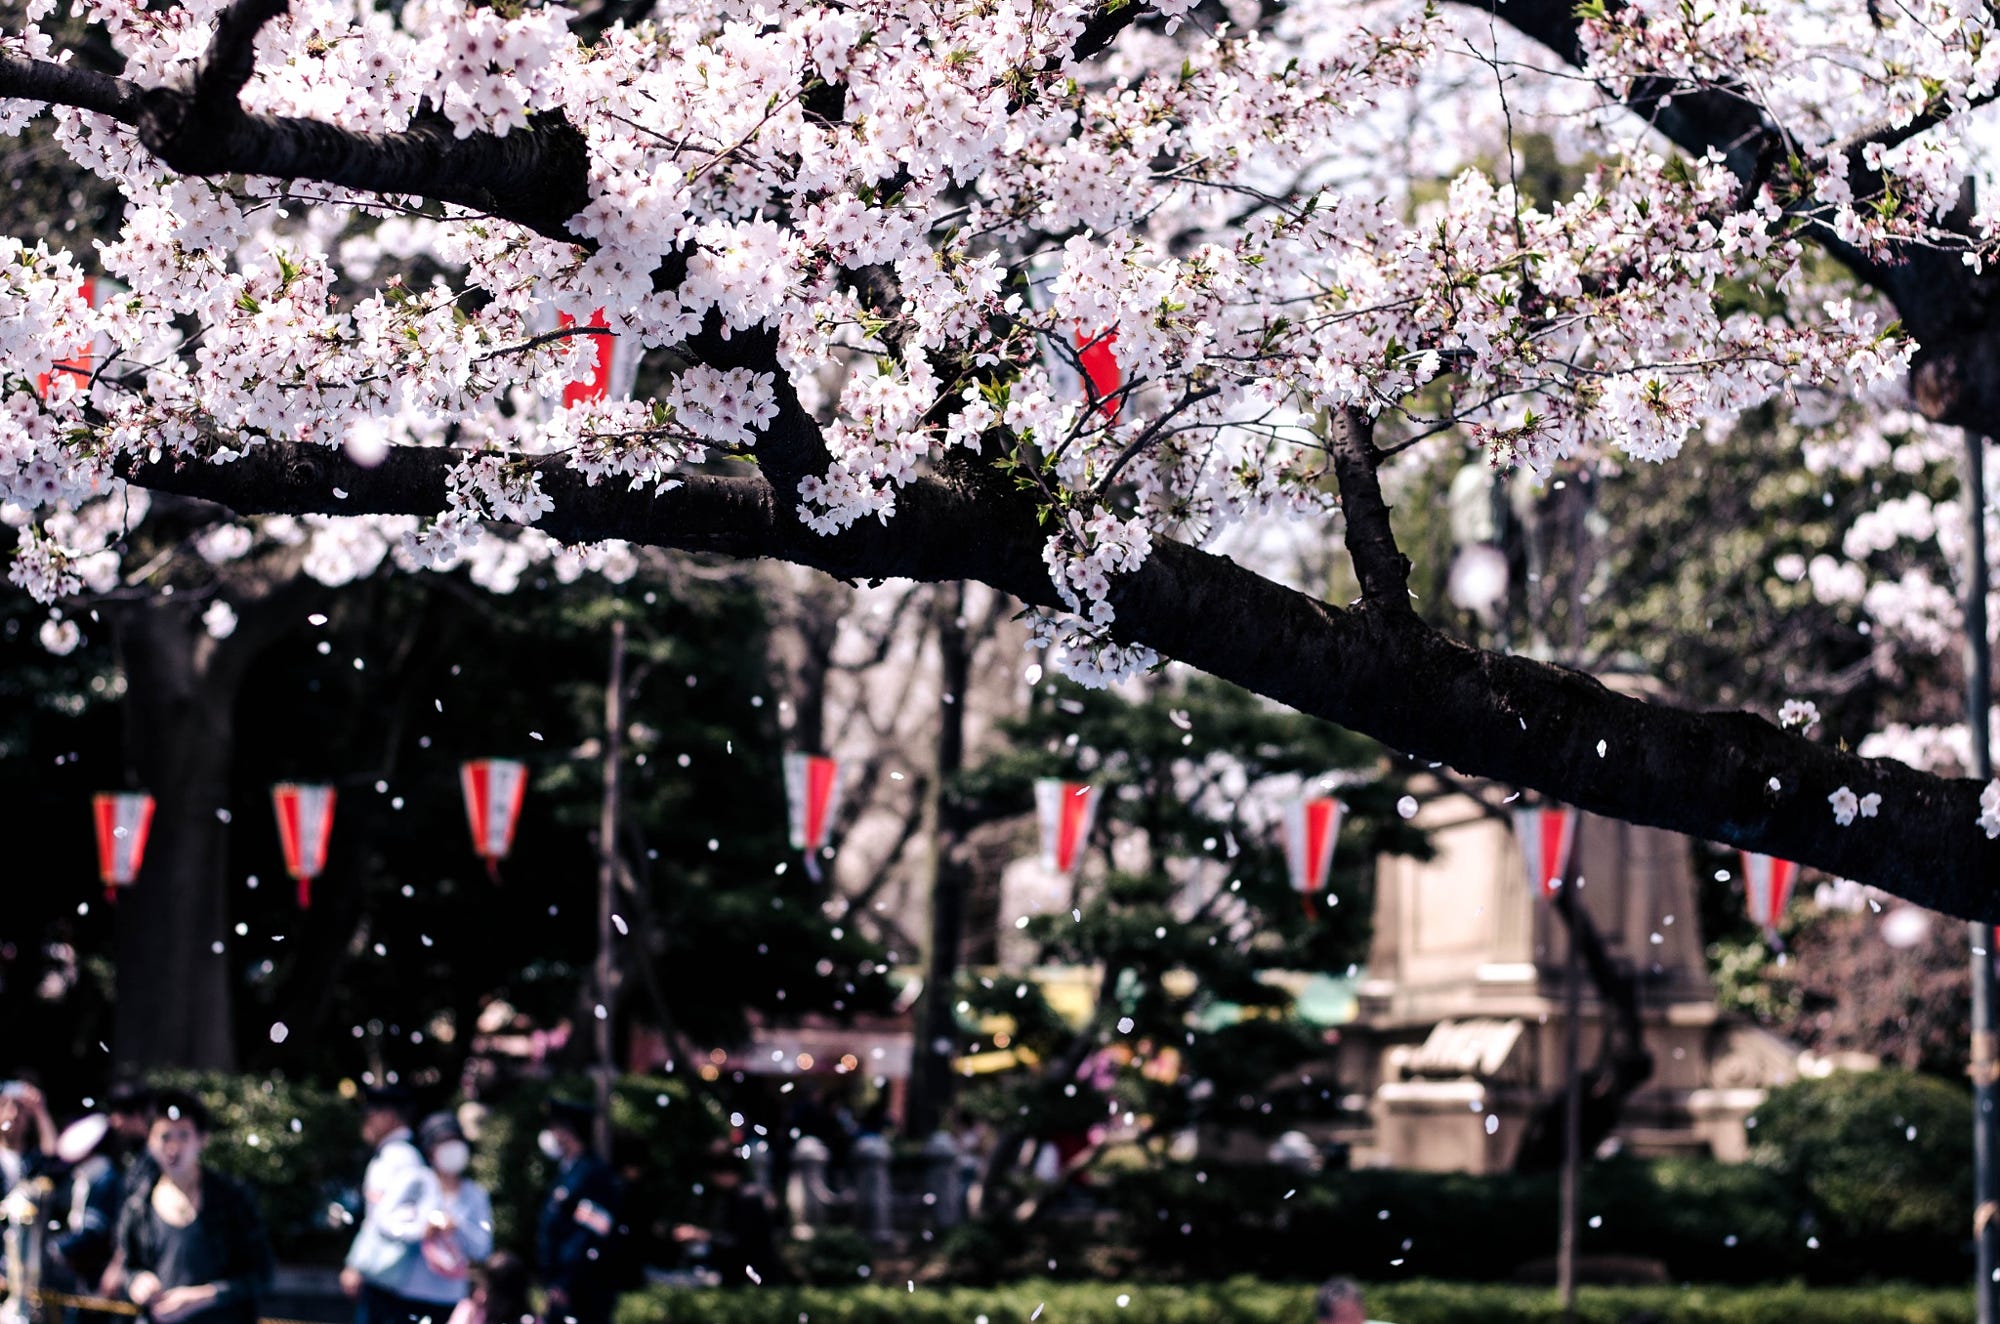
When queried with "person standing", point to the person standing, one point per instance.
{"points": [[499, 1293], [27, 1135], [1338, 1301], [578, 1233], [27, 1180], [129, 1106], [739, 1242], [191, 1243], [89, 1201], [380, 1258], [454, 1220]]}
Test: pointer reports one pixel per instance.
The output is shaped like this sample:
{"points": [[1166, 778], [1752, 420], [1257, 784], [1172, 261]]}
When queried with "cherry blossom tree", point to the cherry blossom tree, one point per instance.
{"points": [[878, 251]]}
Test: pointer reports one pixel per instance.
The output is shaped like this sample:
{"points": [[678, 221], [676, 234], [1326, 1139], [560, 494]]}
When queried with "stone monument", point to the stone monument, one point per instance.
{"points": [[1459, 1032]]}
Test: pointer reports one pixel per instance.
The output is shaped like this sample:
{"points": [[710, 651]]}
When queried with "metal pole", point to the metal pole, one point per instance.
{"points": [[1984, 1068], [607, 887], [1572, 1169]]}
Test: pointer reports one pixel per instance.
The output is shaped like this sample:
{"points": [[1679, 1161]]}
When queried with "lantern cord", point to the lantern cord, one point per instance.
{"points": [[1306, 902], [305, 892], [493, 868], [812, 866]]}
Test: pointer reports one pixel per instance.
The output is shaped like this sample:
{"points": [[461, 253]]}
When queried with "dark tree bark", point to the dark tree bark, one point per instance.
{"points": [[937, 1037], [173, 995]]}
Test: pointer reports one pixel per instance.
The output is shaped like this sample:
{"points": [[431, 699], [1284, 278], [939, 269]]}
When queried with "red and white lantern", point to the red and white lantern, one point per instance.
{"points": [[610, 362], [812, 786], [1310, 829], [77, 364], [1065, 812], [1547, 836], [493, 791], [1767, 886], [123, 819], [305, 825], [1099, 360]]}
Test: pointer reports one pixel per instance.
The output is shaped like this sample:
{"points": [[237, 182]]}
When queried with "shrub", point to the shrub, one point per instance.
{"points": [[1703, 1221], [1883, 1159], [298, 1147], [1247, 1301], [831, 1257]]}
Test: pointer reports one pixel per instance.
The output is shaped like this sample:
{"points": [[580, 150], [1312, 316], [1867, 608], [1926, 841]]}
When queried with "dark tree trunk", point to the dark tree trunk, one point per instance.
{"points": [[173, 988], [937, 1037]]}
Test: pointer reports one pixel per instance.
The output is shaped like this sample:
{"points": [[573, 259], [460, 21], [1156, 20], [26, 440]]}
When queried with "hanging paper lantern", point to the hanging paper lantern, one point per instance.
{"points": [[493, 791], [610, 362], [1546, 834], [1767, 886], [77, 362], [597, 355], [123, 820], [1100, 369], [1065, 811], [305, 825], [812, 785], [1310, 828]]}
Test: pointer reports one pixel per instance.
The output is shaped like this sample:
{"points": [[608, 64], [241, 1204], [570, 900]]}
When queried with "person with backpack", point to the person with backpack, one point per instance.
{"points": [[739, 1241]]}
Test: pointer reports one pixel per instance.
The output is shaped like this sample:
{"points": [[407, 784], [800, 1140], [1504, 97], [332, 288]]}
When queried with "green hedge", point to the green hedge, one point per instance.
{"points": [[1882, 1160], [297, 1146], [1704, 1221], [1245, 1301]]}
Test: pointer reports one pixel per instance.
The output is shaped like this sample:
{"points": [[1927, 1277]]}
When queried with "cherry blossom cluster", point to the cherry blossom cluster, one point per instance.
{"points": [[727, 409], [1834, 81], [925, 205], [1847, 805]]}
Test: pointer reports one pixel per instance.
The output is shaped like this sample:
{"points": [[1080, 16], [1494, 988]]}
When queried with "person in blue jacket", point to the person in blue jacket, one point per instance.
{"points": [[578, 1235], [89, 1201]]}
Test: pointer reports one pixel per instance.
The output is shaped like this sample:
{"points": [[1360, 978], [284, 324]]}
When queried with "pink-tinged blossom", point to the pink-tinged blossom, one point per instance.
{"points": [[1845, 806]]}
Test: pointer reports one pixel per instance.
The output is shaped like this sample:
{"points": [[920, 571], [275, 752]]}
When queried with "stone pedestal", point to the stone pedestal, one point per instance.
{"points": [[1459, 1033]]}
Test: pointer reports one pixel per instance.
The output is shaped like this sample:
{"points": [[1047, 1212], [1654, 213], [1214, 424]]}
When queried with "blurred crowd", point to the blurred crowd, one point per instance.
{"points": [[116, 1214]]}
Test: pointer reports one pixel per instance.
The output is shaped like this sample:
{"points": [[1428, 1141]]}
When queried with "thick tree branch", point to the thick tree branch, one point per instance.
{"points": [[1381, 567], [537, 177], [1730, 777], [67, 85], [231, 57]]}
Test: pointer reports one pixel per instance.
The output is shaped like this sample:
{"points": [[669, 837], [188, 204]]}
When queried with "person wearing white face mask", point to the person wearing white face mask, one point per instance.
{"points": [[579, 1235], [455, 1219]]}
